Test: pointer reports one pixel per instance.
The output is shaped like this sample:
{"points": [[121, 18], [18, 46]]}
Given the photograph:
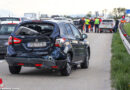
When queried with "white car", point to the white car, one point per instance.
{"points": [[63, 19], [107, 25]]}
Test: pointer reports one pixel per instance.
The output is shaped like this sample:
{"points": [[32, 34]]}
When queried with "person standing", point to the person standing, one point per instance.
{"points": [[87, 21], [116, 25], [97, 22], [82, 22], [92, 24]]}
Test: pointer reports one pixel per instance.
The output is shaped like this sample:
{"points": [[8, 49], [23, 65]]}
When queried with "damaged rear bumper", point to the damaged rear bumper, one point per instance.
{"points": [[30, 62]]}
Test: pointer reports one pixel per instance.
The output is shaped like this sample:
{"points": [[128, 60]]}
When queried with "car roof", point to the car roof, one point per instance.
{"points": [[46, 21]]}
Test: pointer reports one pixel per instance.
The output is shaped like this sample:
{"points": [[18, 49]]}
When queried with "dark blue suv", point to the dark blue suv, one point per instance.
{"points": [[50, 45]]}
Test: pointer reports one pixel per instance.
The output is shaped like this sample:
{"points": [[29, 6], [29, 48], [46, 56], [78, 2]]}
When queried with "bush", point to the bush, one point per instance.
{"points": [[127, 28]]}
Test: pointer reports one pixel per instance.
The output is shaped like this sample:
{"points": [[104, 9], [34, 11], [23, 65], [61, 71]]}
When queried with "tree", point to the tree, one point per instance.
{"points": [[119, 12], [89, 14]]}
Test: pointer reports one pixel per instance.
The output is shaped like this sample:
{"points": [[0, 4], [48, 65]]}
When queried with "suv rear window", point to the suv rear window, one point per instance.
{"points": [[6, 29], [34, 29], [107, 21], [9, 19]]}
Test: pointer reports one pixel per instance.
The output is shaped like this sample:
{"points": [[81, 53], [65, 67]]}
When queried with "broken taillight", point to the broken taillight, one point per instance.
{"points": [[59, 42], [13, 40]]}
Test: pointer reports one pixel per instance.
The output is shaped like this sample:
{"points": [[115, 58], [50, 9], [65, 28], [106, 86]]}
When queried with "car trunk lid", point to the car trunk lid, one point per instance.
{"points": [[32, 42]]}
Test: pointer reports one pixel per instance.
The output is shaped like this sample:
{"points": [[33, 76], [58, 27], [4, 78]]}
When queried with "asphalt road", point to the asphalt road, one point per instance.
{"points": [[97, 77]]}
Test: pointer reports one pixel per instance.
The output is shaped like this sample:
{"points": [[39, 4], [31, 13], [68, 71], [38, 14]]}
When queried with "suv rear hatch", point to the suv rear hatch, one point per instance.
{"points": [[107, 24], [34, 40]]}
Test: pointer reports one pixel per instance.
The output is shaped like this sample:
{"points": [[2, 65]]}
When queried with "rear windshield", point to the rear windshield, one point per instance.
{"points": [[108, 21], [9, 19], [6, 29], [34, 29]]}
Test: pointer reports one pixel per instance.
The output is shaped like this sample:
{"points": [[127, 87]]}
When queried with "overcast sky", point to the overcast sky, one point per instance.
{"points": [[67, 7]]}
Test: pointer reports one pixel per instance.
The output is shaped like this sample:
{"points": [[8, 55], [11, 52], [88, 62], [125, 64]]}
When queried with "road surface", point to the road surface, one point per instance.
{"points": [[97, 77]]}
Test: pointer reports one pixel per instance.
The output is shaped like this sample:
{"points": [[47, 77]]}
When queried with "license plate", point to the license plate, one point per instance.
{"points": [[36, 44]]}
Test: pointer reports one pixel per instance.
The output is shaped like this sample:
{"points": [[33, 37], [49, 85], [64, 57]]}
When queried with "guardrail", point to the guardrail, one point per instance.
{"points": [[124, 37]]}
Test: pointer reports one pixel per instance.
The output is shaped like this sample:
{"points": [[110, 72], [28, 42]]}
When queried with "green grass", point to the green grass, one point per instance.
{"points": [[120, 65], [127, 28]]}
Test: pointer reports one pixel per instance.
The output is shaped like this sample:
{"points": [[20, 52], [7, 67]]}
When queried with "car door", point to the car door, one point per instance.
{"points": [[73, 42], [80, 46]]}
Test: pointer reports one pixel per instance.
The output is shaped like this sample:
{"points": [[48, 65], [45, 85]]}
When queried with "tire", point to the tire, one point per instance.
{"points": [[14, 69], [74, 67], [2, 56], [85, 63], [68, 67]]}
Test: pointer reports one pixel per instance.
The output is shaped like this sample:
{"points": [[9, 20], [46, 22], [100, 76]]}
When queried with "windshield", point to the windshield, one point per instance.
{"points": [[107, 21], [9, 19], [6, 29], [34, 29]]}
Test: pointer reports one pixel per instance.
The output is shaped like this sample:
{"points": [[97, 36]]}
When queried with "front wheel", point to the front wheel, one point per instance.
{"points": [[14, 69], [85, 63], [68, 67]]}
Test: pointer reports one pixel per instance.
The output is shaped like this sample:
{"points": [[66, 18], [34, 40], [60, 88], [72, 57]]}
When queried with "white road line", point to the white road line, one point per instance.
{"points": [[1, 61]]}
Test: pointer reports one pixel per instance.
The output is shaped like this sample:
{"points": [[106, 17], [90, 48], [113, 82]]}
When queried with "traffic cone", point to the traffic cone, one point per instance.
{"points": [[1, 83]]}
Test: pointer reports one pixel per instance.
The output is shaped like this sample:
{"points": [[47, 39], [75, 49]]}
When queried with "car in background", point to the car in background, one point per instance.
{"points": [[107, 25], [63, 19], [5, 30], [10, 19], [51, 45], [76, 22]]}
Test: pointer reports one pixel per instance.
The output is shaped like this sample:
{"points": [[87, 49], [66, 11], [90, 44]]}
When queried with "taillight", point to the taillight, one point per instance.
{"points": [[54, 67], [59, 42], [38, 65], [21, 64], [13, 40]]}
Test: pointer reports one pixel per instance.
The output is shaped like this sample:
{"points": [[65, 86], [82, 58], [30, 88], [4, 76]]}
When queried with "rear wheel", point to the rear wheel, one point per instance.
{"points": [[85, 63], [68, 67], [14, 69], [2, 56]]}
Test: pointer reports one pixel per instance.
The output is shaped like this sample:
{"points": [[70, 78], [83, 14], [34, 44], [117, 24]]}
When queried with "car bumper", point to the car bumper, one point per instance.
{"points": [[31, 62]]}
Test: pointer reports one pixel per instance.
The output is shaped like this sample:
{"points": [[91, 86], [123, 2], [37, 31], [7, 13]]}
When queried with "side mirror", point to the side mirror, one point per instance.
{"points": [[84, 36]]}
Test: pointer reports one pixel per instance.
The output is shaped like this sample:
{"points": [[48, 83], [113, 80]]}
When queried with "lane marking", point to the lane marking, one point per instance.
{"points": [[2, 61]]}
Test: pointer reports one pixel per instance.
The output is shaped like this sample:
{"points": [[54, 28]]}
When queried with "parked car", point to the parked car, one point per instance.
{"points": [[77, 23], [53, 45], [63, 19], [5, 31], [10, 19], [107, 25]]}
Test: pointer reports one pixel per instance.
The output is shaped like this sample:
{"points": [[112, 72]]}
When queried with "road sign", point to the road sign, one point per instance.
{"points": [[128, 11]]}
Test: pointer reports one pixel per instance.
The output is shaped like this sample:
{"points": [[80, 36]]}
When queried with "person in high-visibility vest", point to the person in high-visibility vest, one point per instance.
{"points": [[97, 22], [87, 22]]}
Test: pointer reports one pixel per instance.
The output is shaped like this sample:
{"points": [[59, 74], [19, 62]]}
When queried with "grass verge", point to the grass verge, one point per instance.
{"points": [[120, 65], [127, 28]]}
